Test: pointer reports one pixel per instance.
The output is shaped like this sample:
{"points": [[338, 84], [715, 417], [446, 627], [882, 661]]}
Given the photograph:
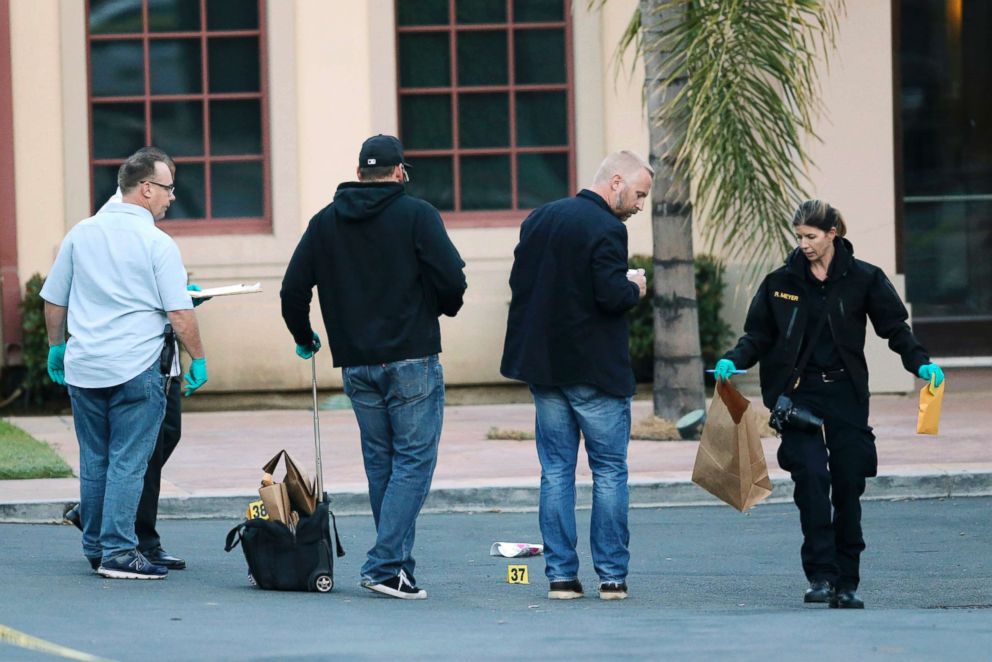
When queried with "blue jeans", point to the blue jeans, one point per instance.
{"points": [[400, 409], [604, 420], [116, 427]]}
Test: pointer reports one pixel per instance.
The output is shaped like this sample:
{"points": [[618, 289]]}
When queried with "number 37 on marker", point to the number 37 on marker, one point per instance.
{"points": [[516, 574]]}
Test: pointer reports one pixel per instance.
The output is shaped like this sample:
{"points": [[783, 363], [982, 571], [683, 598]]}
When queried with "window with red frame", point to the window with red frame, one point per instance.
{"points": [[485, 103], [187, 76]]}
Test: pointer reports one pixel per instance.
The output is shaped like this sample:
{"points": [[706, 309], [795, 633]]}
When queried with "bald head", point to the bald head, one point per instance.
{"points": [[624, 182]]}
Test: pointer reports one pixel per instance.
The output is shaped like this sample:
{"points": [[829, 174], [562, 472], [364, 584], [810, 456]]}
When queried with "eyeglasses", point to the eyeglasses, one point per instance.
{"points": [[168, 187]]}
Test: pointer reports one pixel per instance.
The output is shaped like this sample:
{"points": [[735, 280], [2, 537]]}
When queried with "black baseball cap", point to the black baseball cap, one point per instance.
{"points": [[381, 150]]}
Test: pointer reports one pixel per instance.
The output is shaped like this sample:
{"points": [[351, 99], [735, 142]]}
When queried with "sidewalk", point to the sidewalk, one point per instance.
{"points": [[217, 467]]}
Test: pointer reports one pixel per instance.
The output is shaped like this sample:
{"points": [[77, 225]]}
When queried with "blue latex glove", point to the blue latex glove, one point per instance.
{"points": [[724, 370], [196, 377], [931, 370], [193, 287], [56, 363], [308, 351]]}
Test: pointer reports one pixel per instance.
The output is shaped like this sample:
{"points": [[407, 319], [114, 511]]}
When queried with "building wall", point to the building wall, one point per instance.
{"points": [[332, 82]]}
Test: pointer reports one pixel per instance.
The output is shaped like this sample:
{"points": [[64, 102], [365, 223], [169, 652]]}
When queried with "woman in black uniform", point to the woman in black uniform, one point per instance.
{"points": [[806, 325]]}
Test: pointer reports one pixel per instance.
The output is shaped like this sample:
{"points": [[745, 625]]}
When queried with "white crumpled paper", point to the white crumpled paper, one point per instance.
{"points": [[515, 550]]}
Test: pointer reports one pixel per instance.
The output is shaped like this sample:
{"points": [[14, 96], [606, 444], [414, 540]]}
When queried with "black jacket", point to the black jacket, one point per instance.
{"points": [[385, 270], [776, 323], [569, 294]]}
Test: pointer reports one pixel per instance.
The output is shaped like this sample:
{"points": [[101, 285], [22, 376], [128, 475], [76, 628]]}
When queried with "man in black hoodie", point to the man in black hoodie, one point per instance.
{"points": [[385, 270]]}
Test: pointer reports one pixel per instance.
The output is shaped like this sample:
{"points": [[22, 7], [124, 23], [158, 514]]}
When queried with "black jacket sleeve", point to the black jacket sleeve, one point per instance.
{"points": [[888, 315], [441, 263], [613, 292], [297, 288], [759, 331]]}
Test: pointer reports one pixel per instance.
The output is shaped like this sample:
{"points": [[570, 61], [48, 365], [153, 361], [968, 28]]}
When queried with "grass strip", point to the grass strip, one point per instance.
{"points": [[23, 456]]}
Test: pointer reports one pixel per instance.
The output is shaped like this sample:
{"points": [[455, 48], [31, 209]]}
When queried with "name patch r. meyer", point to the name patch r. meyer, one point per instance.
{"points": [[786, 295]]}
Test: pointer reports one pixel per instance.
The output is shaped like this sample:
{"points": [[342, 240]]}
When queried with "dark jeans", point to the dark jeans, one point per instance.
{"points": [[830, 470], [168, 439]]}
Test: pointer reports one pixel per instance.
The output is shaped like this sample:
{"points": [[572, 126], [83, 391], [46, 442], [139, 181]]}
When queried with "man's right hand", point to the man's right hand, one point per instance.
{"points": [[196, 377], [306, 351], [56, 363], [637, 277]]}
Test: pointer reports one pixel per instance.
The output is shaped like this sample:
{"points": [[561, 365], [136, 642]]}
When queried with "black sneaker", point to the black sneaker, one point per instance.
{"points": [[820, 591], [94, 562], [565, 589], [131, 565], [396, 587], [613, 591]]}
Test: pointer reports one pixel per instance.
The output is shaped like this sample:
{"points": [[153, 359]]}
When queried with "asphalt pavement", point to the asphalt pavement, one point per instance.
{"points": [[706, 584]]}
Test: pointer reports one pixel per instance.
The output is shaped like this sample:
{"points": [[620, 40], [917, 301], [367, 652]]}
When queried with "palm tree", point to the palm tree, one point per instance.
{"points": [[731, 93]]}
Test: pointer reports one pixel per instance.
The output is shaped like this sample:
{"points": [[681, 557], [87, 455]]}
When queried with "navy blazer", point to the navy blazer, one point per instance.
{"points": [[567, 322]]}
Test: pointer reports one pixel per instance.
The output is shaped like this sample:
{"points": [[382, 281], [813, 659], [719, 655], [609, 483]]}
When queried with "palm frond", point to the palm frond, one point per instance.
{"points": [[739, 93]]}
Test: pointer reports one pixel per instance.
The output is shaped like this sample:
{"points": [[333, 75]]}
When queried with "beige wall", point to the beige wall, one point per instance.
{"points": [[332, 78]]}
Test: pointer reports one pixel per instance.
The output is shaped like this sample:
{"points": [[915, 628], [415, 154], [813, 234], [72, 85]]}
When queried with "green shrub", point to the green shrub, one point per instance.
{"points": [[34, 343], [714, 333]]}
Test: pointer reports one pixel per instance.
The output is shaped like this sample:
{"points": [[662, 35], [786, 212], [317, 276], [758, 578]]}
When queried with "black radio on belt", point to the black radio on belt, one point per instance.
{"points": [[168, 355]]}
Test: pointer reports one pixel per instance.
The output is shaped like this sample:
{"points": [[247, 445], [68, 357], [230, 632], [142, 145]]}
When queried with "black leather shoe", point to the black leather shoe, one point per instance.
{"points": [[819, 591], [71, 515], [846, 600], [159, 556]]}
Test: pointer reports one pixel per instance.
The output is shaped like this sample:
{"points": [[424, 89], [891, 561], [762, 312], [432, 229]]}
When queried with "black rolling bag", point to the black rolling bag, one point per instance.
{"points": [[285, 559]]}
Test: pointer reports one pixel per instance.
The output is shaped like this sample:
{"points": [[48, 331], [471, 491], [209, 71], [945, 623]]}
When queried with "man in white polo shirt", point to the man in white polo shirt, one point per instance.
{"points": [[117, 280]]}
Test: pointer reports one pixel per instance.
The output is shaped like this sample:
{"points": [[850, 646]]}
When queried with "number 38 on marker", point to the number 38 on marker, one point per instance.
{"points": [[516, 574]]}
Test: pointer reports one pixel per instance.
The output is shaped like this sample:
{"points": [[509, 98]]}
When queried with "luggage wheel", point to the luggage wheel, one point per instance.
{"points": [[323, 583]]}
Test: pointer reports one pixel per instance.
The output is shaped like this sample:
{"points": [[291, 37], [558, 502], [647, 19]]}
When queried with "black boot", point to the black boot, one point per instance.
{"points": [[846, 599], [819, 591]]}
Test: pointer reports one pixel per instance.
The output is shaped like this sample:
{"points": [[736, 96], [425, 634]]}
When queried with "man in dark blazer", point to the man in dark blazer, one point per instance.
{"points": [[566, 336]]}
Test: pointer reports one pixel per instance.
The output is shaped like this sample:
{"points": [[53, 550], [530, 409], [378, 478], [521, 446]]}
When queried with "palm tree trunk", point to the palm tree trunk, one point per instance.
{"points": [[678, 365]]}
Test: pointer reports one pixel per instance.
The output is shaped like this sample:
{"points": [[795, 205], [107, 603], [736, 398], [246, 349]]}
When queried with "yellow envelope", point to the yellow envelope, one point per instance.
{"points": [[930, 399]]}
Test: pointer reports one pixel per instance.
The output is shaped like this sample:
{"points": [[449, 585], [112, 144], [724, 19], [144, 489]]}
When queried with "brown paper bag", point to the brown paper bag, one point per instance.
{"points": [[931, 399], [276, 501], [302, 491], [730, 462]]}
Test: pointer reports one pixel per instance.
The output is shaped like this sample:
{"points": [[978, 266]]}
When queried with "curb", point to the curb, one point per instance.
{"points": [[643, 494]]}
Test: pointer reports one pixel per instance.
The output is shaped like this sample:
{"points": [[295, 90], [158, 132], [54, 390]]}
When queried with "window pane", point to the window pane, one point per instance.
{"points": [[482, 58], [422, 12], [480, 11], [236, 127], [232, 14], [948, 271], [425, 60], [173, 15], [190, 196], [540, 56], [177, 127], [486, 182], [538, 10], [483, 120], [118, 129], [431, 178], [104, 185], [425, 121], [115, 16], [238, 189], [542, 119], [117, 68], [541, 178], [175, 66], [233, 64]]}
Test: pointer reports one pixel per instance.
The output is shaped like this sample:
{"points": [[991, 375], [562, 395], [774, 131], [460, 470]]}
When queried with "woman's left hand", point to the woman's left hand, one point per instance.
{"points": [[931, 370]]}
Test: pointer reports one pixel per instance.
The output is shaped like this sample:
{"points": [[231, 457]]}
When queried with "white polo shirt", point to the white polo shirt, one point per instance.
{"points": [[118, 274]]}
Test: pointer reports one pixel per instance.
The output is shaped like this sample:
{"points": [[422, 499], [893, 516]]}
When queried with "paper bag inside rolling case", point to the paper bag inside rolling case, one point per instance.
{"points": [[302, 491], [730, 462], [275, 498]]}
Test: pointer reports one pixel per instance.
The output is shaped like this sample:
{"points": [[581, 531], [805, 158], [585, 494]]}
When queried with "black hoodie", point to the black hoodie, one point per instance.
{"points": [[385, 270], [779, 320]]}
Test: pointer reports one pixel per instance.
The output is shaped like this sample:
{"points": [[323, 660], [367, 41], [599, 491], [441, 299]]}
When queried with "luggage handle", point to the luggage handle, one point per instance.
{"points": [[236, 532], [316, 431]]}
